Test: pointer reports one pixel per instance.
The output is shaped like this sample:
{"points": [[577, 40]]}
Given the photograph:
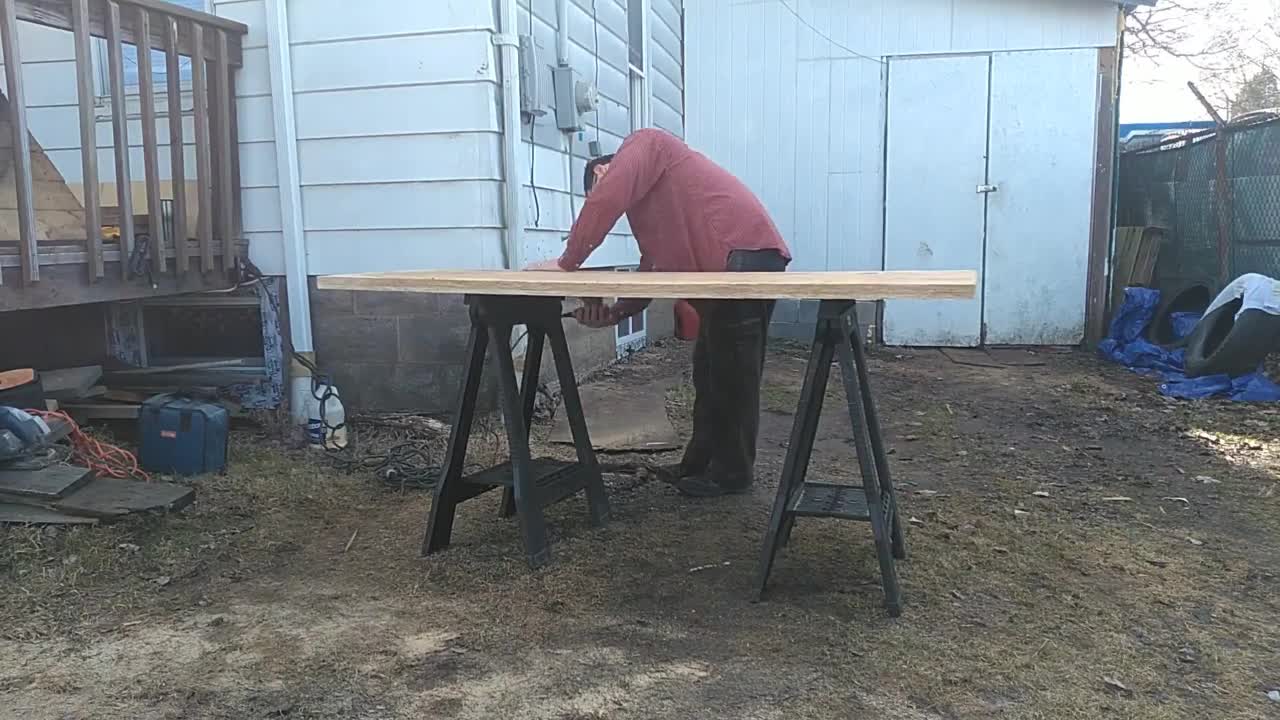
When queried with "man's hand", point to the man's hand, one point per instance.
{"points": [[595, 314], [546, 266]]}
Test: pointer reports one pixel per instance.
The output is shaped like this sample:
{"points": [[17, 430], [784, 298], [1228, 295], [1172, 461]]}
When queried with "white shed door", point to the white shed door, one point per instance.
{"points": [[1043, 125], [934, 216], [990, 168]]}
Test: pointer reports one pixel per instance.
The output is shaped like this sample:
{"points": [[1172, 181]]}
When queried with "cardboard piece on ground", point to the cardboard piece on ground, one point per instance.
{"points": [[970, 356], [30, 515], [52, 482], [110, 497], [70, 383], [622, 418], [1015, 357]]}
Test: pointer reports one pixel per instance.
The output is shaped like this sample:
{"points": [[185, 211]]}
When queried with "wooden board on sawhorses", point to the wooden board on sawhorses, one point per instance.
{"points": [[869, 285]]}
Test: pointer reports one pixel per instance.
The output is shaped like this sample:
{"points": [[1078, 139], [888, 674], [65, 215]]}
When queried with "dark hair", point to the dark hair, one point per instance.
{"points": [[589, 175]]}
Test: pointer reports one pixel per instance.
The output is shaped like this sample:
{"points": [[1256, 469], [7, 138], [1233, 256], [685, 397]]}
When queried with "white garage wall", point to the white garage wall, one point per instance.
{"points": [[790, 95]]}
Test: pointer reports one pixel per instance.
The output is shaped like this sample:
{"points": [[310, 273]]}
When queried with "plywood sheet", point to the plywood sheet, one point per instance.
{"points": [[54, 481], [31, 515], [871, 285], [70, 383], [110, 497]]}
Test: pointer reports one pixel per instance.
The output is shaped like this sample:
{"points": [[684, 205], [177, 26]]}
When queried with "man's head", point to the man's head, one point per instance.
{"points": [[596, 169]]}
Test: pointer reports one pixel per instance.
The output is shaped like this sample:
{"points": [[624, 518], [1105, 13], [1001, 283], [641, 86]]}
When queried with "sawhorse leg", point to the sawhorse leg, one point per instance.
{"points": [[528, 485], [837, 337]]}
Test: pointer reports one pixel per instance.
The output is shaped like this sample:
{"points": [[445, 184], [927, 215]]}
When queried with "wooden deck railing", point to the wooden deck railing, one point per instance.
{"points": [[213, 46]]}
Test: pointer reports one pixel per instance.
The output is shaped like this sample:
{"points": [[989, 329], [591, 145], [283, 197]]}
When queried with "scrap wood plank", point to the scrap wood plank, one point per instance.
{"points": [[126, 396], [59, 430], [69, 383], [205, 365], [102, 411], [51, 482], [870, 285], [112, 497], [32, 515]]}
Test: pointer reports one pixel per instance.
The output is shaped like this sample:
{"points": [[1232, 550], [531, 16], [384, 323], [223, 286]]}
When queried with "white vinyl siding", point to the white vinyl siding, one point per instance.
{"points": [[398, 134], [557, 172]]}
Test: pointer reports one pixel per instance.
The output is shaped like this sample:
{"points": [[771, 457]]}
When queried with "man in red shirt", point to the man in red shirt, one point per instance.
{"points": [[690, 215]]}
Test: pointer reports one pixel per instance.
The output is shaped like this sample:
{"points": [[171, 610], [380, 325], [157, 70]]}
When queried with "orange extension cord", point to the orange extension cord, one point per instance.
{"points": [[101, 457]]}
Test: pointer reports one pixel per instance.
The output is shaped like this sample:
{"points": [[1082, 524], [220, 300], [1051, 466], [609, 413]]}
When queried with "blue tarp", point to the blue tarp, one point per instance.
{"points": [[1126, 345]]}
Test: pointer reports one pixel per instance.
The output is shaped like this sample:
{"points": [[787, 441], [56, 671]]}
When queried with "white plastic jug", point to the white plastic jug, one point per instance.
{"points": [[326, 417]]}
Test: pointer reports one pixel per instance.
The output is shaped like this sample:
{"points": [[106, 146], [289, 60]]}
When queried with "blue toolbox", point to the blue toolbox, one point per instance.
{"points": [[182, 435]]}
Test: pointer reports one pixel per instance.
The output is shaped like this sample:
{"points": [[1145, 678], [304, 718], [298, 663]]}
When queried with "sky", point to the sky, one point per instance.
{"points": [[1156, 91]]}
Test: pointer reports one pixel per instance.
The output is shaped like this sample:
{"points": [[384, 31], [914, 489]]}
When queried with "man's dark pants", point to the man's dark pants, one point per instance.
{"points": [[728, 367]]}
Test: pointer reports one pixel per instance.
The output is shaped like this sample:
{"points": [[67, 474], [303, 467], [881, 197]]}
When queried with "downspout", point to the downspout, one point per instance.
{"points": [[508, 42], [562, 33], [295, 249]]}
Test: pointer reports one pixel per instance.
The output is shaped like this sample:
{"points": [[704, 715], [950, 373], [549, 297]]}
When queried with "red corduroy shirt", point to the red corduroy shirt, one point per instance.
{"points": [[686, 212]]}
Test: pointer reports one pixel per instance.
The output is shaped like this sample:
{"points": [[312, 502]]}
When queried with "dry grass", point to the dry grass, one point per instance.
{"points": [[1037, 613]]}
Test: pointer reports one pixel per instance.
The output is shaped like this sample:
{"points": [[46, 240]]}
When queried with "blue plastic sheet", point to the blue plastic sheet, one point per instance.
{"points": [[1126, 345], [1183, 323]]}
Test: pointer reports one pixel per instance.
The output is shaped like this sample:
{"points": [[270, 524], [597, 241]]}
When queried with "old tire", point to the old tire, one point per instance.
{"points": [[1194, 297], [1223, 344]]}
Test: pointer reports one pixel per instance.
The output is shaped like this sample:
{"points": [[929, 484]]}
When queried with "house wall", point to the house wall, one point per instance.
{"points": [[397, 112], [401, 168], [52, 117], [791, 97], [557, 160], [398, 134]]}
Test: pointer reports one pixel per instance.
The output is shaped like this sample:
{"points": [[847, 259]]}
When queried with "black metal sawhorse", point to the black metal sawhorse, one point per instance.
{"points": [[528, 485], [838, 337]]}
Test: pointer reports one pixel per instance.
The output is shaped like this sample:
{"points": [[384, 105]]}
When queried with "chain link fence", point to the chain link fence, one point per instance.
{"points": [[1217, 195]]}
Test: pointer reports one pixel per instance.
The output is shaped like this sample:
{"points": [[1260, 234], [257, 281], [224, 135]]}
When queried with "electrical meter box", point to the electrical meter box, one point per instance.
{"points": [[574, 98]]}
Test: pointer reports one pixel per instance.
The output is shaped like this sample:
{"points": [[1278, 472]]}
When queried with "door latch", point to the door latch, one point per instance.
{"points": [[983, 189]]}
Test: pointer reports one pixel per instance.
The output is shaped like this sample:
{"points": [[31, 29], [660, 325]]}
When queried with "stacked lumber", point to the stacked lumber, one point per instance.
{"points": [[90, 393]]}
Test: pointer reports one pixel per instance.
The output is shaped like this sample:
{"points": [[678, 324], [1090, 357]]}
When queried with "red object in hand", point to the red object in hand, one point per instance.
{"points": [[686, 321]]}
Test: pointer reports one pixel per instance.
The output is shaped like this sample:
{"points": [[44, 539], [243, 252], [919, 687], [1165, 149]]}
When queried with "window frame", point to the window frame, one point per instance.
{"points": [[102, 70], [640, 100], [627, 336]]}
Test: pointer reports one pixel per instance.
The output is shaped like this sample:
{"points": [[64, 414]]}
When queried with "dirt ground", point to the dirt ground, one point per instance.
{"points": [[1079, 548]]}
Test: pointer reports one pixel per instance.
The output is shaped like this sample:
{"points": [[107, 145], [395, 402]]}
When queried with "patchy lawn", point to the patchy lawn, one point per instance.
{"points": [[1080, 548]]}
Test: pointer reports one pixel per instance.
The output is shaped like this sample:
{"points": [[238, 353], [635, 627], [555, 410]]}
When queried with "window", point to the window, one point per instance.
{"points": [[159, 65], [635, 31], [632, 335], [637, 44]]}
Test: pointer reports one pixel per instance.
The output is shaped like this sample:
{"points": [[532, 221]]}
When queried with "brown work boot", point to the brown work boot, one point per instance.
{"points": [[673, 473], [709, 485]]}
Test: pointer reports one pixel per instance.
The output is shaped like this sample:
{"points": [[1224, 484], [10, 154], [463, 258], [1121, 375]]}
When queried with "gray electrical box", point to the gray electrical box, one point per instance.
{"points": [[574, 97], [530, 87]]}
